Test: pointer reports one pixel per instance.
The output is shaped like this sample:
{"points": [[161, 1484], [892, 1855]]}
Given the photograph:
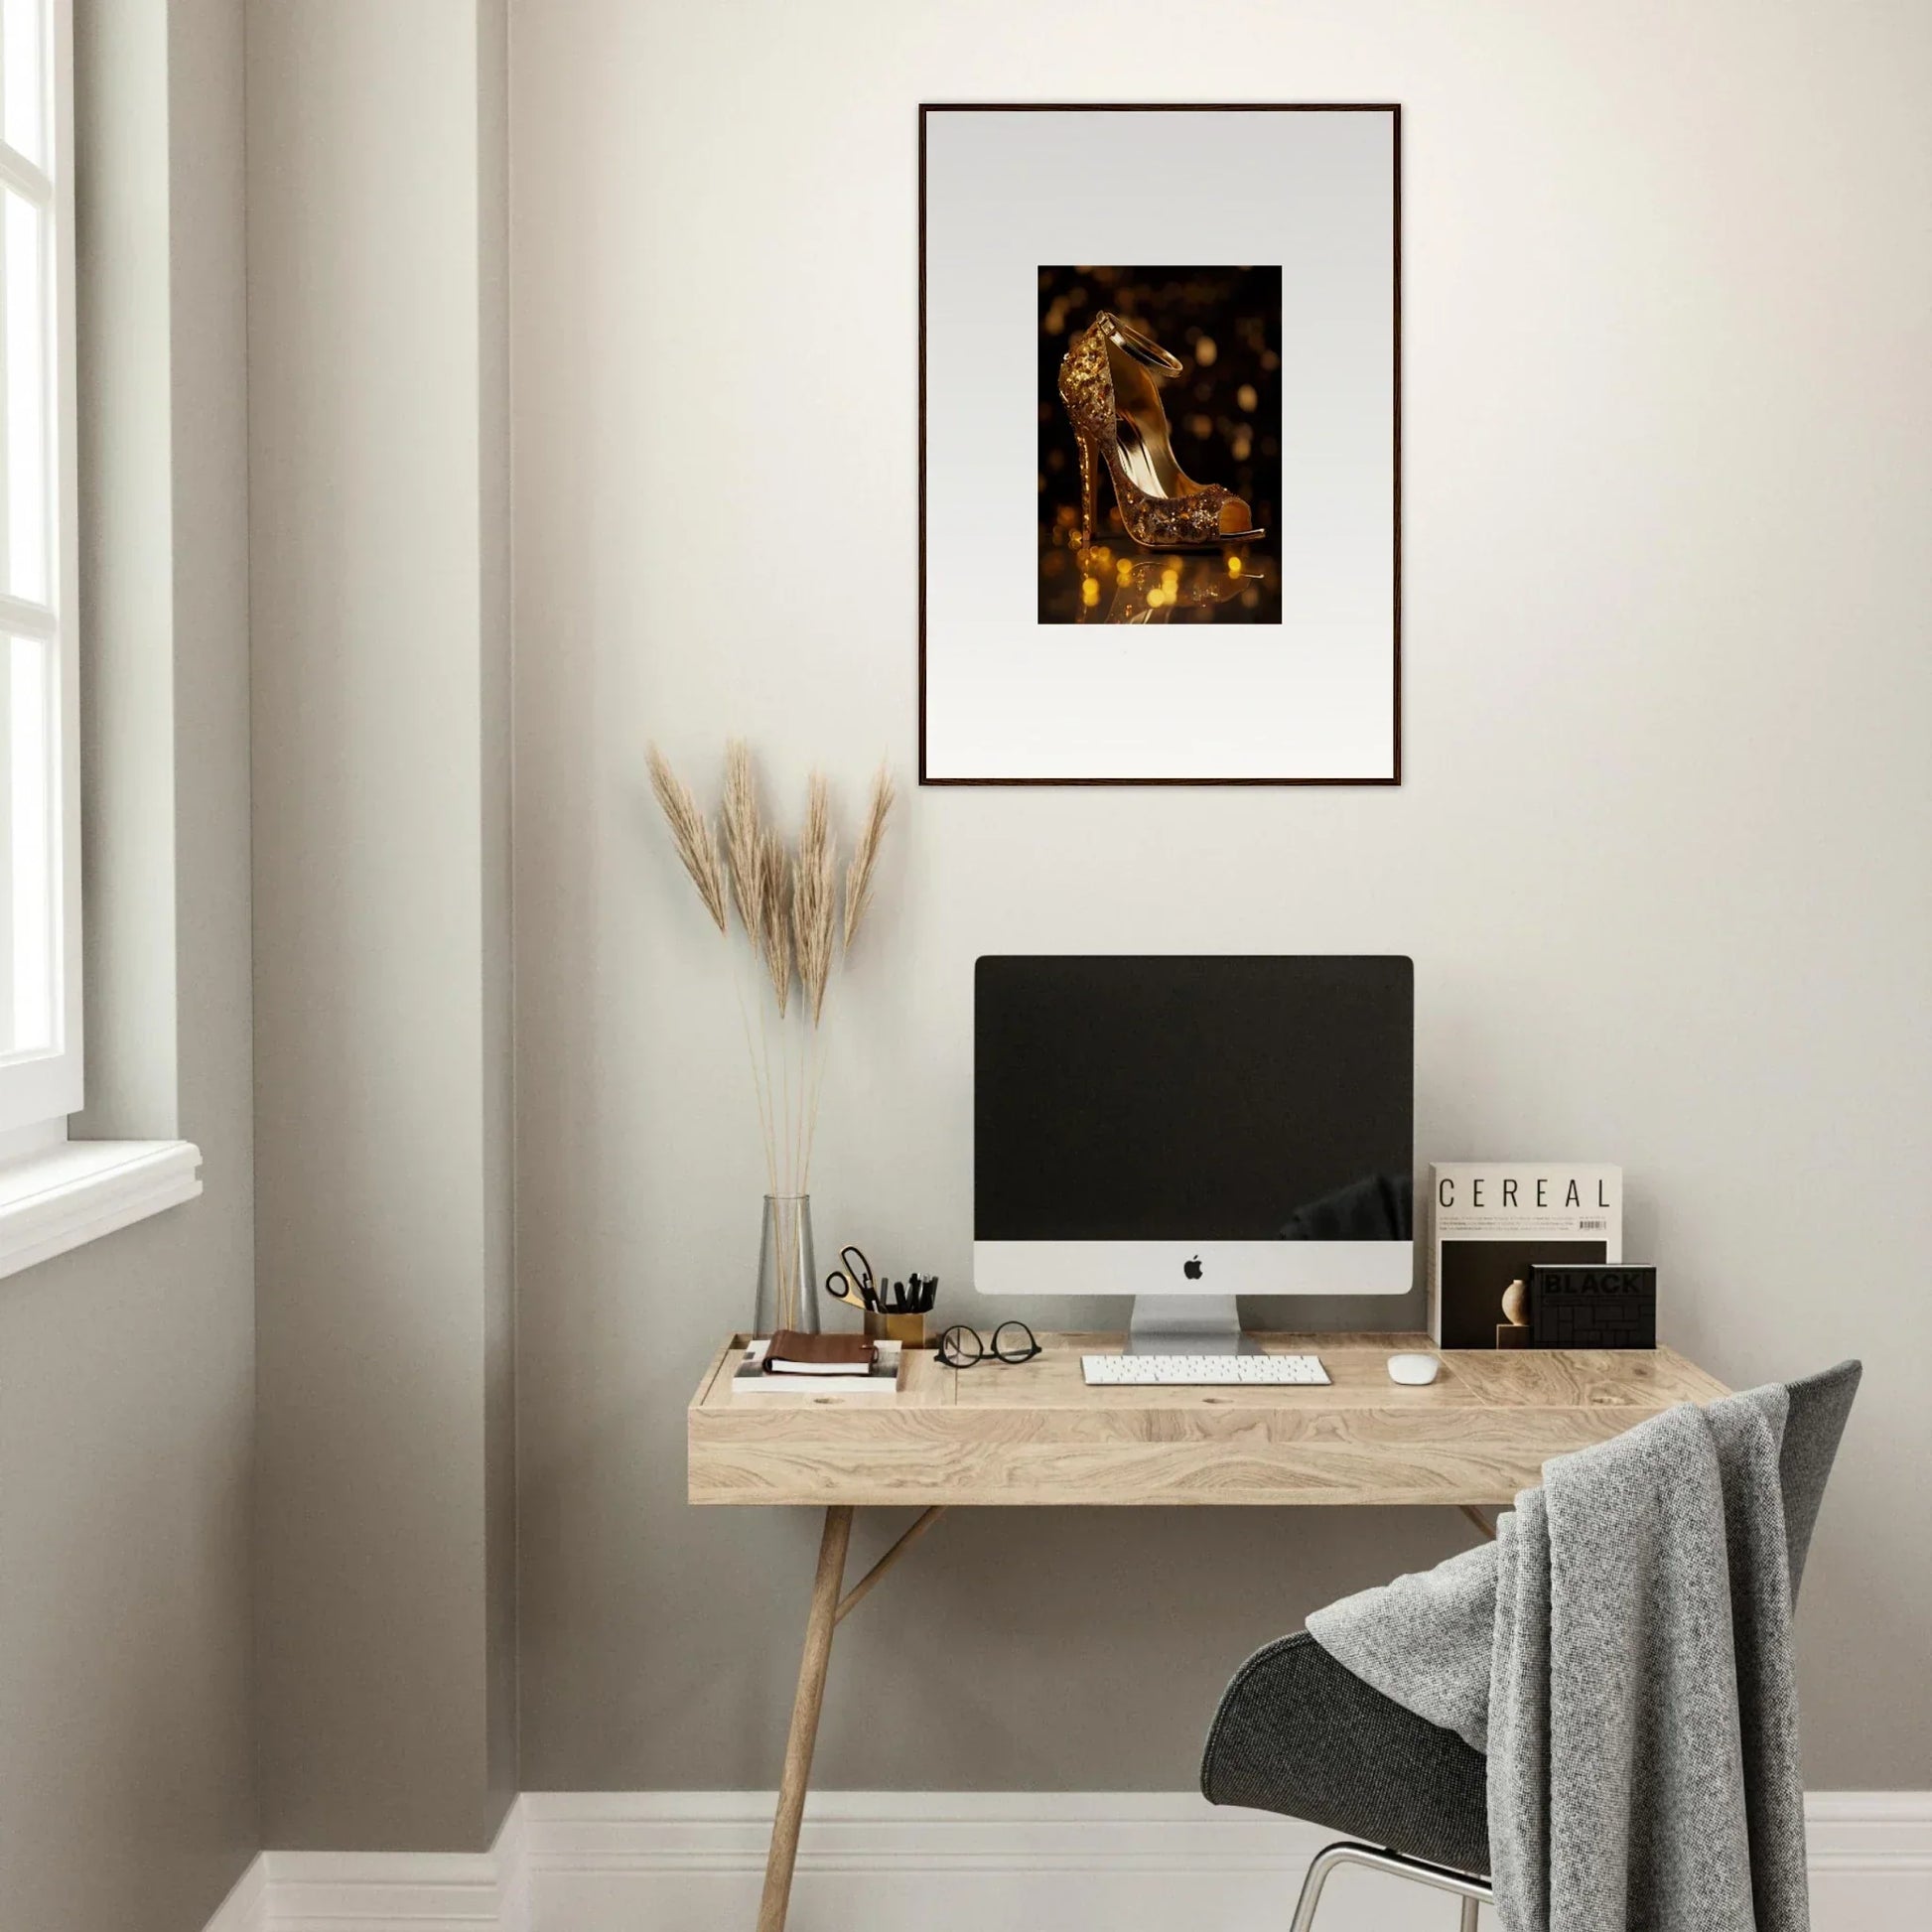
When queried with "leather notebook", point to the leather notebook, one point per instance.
{"points": [[793, 1353]]}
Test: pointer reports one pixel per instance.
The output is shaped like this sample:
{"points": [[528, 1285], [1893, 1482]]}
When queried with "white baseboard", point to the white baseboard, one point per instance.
{"points": [[955, 1861], [245, 1909]]}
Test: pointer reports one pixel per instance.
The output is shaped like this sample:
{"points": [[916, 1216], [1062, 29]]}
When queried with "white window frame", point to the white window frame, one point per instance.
{"points": [[39, 1088], [56, 1193]]}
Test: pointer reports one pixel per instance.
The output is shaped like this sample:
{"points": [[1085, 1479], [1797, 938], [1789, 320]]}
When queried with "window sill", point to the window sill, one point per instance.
{"points": [[78, 1191]]}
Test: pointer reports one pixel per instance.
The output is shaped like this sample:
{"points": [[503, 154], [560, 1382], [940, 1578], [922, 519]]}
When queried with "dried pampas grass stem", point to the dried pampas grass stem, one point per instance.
{"points": [[742, 842], [814, 897], [692, 835], [864, 855], [787, 901], [774, 916]]}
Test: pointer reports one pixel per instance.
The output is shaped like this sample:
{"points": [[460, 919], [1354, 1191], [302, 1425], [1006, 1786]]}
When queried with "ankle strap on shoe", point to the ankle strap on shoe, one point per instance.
{"points": [[1143, 348]]}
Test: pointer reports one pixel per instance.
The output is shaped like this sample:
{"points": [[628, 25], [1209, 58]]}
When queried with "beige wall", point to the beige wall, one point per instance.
{"points": [[376, 425], [1660, 856], [126, 1368]]}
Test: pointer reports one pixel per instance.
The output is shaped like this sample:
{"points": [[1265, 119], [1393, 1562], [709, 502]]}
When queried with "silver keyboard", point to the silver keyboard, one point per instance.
{"points": [[1202, 1371]]}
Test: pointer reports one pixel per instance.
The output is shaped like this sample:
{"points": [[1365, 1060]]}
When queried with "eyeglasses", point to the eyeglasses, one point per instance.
{"points": [[1012, 1342]]}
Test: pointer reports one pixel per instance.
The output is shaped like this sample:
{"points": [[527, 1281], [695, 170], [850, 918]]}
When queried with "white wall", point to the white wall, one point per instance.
{"points": [[1660, 854]]}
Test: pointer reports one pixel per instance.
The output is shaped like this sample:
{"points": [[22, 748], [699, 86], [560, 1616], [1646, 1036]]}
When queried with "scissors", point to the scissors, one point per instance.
{"points": [[852, 1280]]}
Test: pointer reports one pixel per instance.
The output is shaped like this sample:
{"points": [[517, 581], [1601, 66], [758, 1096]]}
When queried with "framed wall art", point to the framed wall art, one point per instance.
{"points": [[1160, 440]]}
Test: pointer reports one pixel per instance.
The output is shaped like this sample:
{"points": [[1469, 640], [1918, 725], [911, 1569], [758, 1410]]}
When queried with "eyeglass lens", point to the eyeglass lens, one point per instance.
{"points": [[961, 1347], [1012, 1342]]}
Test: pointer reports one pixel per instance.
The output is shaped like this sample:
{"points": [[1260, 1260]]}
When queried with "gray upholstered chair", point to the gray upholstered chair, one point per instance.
{"points": [[1298, 1733]]}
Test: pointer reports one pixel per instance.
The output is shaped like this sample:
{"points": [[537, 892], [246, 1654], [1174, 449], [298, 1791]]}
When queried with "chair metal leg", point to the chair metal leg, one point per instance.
{"points": [[1324, 1862], [1472, 1892]]}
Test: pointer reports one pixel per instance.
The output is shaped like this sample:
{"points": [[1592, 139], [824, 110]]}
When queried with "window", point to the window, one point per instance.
{"points": [[54, 1194], [39, 831]]}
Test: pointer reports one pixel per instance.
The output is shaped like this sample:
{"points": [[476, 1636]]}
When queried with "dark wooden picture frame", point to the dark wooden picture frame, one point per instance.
{"points": [[1394, 776]]}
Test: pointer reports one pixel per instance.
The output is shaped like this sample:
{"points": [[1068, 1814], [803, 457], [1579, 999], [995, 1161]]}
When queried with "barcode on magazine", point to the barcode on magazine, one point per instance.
{"points": [[1597, 1226]]}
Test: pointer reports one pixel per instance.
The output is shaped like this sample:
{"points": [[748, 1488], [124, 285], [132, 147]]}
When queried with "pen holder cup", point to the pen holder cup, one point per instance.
{"points": [[909, 1329]]}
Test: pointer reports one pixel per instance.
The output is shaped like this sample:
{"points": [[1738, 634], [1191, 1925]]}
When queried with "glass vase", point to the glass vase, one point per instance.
{"points": [[787, 1274]]}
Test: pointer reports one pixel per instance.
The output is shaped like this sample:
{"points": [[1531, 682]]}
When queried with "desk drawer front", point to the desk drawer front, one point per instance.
{"points": [[1212, 1454]]}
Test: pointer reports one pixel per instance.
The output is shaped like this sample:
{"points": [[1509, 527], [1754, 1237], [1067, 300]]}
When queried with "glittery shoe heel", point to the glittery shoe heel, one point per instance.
{"points": [[1118, 419], [1091, 462]]}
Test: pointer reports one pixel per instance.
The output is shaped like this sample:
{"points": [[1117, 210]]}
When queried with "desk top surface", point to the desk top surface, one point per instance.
{"points": [[1034, 1434]]}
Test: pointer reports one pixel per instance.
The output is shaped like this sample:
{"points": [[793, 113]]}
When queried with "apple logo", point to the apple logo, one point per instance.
{"points": [[1191, 1269]]}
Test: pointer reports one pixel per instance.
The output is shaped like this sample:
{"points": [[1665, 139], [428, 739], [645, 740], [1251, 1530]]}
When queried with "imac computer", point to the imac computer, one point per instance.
{"points": [[1187, 1130]]}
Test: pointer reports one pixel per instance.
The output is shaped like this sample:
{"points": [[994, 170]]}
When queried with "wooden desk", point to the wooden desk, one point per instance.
{"points": [[1034, 1434]]}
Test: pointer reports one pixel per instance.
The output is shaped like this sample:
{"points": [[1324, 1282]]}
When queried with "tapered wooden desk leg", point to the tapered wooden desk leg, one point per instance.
{"points": [[804, 1720]]}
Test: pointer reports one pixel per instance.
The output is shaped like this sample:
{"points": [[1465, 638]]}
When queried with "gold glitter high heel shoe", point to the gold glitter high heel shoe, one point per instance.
{"points": [[1115, 409]]}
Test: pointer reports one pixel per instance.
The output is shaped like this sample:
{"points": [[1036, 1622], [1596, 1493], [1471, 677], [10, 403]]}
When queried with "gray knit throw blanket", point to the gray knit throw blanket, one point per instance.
{"points": [[1622, 1652]]}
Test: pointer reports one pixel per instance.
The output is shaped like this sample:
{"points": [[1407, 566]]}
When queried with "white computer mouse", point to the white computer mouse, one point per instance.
{"points": [[1413, 1369]]}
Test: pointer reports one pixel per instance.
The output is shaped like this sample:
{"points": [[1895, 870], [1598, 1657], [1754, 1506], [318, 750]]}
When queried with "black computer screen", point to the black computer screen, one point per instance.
{"points": [[1232, 1098]]}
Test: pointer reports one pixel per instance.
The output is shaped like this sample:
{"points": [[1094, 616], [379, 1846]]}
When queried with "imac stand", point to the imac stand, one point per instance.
{"points": [[1186, 1324]]}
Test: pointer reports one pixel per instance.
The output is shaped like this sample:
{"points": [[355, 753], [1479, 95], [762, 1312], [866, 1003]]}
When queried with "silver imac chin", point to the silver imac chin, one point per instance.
{"points": [[1183, 1291], [1186, 1129]]}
